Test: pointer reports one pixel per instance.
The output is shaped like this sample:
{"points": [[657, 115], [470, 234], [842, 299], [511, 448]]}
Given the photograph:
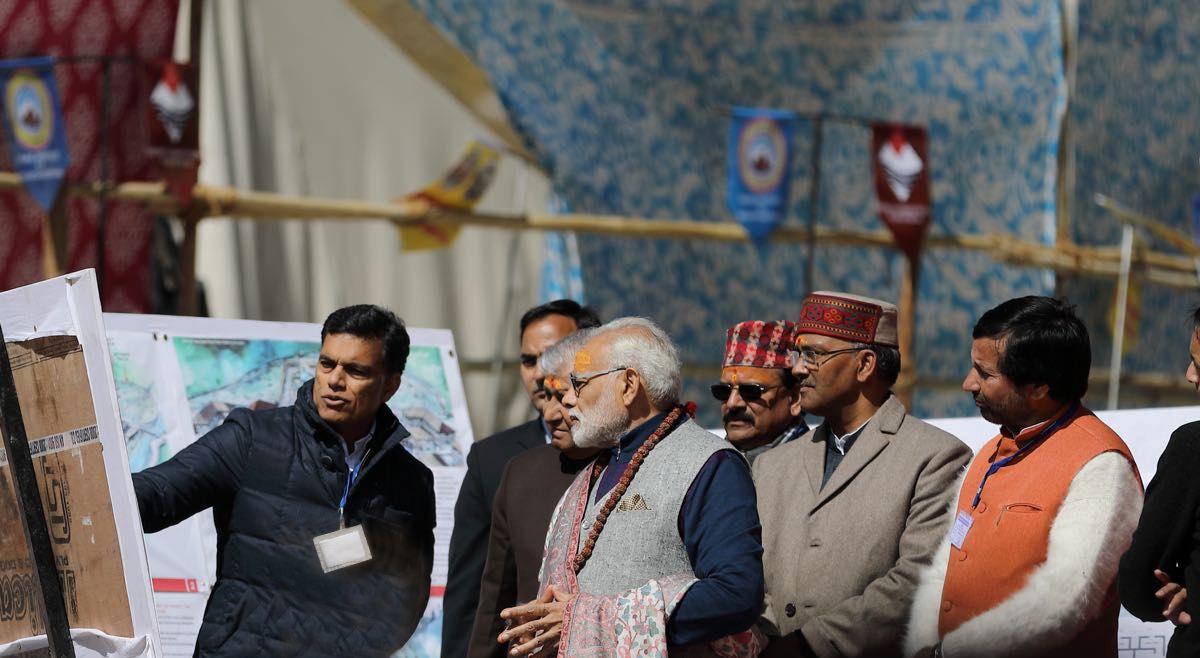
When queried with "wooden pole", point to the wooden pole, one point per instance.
{"points": [[1118, 339], [54, 237], [187, 266], [1156, 267], [907, 322], [814, 205]]}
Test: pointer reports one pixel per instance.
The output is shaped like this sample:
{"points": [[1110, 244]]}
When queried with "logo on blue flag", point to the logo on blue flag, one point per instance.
{"points": [[35, 128], [759, 167]]}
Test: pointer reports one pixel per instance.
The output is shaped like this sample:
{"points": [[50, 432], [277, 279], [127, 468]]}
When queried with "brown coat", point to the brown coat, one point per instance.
{"points": [[841, 561], [529, 490]]}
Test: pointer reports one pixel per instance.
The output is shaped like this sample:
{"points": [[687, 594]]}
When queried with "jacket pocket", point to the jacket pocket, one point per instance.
{"points": [[223, 615], [1019, 513]]}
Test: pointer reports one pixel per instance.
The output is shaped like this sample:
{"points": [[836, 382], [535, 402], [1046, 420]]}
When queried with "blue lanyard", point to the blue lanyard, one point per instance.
{"points": [[1062, 420], [350, 483]]}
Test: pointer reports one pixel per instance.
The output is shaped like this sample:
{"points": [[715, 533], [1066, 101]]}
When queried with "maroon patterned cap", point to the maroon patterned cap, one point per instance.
{"points": [[849, 317], [759, 343]]}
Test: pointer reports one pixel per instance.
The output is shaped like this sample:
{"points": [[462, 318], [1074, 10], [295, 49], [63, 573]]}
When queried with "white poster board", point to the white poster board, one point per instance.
{"points": [[178, 377], [69, 306]]}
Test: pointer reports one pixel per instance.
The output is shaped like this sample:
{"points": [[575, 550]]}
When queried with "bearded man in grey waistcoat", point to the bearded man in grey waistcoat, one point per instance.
{"points": [[661, 531]]}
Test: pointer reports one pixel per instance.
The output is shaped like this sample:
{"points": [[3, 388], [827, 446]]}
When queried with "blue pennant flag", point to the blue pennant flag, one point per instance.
{"points": [[759, 169], [36, 136]]}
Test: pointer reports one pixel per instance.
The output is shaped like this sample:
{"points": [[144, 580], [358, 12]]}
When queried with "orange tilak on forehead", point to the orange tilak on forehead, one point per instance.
{"points": [[583, 361], [748, 375]]}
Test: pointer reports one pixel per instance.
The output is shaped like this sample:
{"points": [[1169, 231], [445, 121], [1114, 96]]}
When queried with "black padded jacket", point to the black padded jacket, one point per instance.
{"points": [[274, 479]]}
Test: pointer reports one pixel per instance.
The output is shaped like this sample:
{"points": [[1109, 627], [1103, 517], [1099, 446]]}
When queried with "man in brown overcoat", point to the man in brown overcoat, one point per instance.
{"points": [[852, 511]]}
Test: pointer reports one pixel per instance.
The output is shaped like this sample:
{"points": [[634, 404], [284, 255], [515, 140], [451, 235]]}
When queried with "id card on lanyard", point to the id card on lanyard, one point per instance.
{"points": [[346, 546], [963, 521]]}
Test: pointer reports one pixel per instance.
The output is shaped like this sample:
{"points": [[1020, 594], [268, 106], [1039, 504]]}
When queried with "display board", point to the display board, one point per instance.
{"points": [[55, 342], [177, 378]]}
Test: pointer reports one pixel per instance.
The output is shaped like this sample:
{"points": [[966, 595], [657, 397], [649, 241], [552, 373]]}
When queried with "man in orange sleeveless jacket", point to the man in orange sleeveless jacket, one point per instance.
{"points": [[1045, 510]]}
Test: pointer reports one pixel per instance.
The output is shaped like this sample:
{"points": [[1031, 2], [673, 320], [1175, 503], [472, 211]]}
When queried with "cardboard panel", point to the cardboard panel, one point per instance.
{"points": [[56, 402]]}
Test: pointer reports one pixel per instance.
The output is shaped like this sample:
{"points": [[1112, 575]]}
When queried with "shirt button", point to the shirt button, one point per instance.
{"points": [[982, 507], [962, 556], [946, 605], [790, 610]]}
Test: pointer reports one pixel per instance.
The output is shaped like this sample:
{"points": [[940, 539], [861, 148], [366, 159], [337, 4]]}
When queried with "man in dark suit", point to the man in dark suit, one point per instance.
{"points": [[541, 327], [530, 489]]}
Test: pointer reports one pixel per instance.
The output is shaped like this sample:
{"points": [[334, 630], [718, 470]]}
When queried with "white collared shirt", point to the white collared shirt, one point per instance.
{"points": [[839, 442], [355, 457]]}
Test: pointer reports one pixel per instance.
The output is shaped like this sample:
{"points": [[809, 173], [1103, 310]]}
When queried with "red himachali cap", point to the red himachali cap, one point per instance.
{"points": [[849, 317], [759, 343]]}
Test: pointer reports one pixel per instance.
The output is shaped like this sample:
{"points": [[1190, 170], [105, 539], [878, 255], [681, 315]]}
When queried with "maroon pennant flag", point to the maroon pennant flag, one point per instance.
{"points": [[173, 123], [900, 161]]}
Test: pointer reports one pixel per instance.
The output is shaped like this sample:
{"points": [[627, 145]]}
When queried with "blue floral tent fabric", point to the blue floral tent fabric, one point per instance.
{"points": [[625, 104], [1136, 139]]}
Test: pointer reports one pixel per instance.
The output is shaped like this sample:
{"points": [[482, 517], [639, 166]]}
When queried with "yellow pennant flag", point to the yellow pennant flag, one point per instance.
{"points": [[460, 188]]}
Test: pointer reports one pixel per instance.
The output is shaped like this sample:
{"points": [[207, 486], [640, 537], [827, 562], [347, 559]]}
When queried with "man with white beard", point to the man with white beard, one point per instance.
{"points": [[661, 532]]}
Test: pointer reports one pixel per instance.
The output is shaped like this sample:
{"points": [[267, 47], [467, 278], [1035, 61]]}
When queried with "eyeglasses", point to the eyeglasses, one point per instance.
{"points": [[581, 380], [748, 392], [813, 359]]}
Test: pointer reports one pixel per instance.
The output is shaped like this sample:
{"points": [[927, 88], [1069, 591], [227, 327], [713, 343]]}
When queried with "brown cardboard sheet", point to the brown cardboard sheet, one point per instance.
{"points": [[56, 402]]}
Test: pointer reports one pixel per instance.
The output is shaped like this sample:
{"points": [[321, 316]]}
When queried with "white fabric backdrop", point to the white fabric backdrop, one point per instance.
{"points": [[305, 97]]}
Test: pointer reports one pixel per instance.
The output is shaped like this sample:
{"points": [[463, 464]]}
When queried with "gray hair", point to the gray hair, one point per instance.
{"points": [[642, 345], [560, 357]]}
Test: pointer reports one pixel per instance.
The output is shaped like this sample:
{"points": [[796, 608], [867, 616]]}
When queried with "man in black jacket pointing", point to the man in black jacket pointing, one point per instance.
{"points": [[324, 520]]}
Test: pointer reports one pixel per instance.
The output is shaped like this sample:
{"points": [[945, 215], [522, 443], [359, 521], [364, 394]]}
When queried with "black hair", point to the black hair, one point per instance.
{"points": [[887, 361], [370, 321], [1042, 341], [583, 316], [1196, 319]]}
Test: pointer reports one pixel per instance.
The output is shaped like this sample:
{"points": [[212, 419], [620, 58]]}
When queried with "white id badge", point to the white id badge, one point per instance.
{"points": [[342, 548], [962, 524]]}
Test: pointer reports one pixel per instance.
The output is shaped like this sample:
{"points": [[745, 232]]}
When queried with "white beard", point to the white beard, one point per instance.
{"points": [[602, 428]]}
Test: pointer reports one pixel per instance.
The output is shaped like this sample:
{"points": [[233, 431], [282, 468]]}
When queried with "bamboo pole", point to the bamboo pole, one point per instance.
{"points": [[907, 321], [1175, 237], [210, 201], [221, 201], [54, 238], [1118, 341]]}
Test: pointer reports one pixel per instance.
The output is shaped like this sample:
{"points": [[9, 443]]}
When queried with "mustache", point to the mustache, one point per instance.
{"points": [[737, 415]]}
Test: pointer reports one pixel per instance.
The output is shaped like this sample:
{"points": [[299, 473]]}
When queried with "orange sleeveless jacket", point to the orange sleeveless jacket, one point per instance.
{"points": [[1010, 532]]}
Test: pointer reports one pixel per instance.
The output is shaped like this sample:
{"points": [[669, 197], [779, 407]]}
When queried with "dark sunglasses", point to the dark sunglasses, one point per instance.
{"points": [[748, 392]]}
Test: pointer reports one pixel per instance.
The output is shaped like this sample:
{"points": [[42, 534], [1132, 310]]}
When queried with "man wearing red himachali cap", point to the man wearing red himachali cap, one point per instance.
{"points": [[853, 510], [759, 395]]}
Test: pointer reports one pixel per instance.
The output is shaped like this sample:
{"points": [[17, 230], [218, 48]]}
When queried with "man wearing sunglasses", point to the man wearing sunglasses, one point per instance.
{"points": [[759, 395], [853, 510], [541, 327]]}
